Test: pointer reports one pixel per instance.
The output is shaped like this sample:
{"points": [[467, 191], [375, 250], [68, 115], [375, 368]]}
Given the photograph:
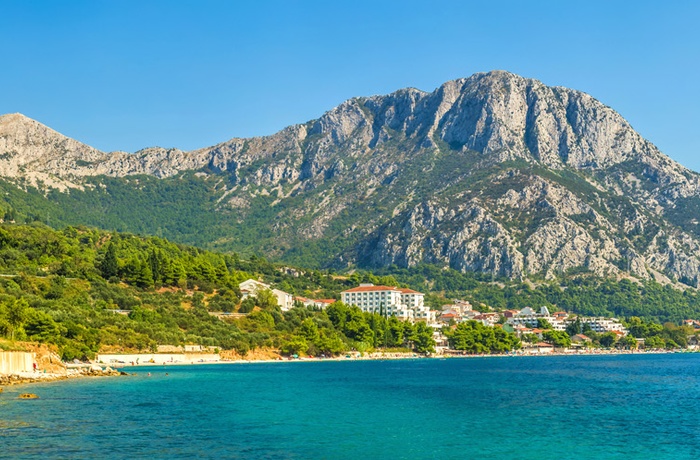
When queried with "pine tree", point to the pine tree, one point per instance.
{"points": [[109, 266], [143, 276], [155, 263]]}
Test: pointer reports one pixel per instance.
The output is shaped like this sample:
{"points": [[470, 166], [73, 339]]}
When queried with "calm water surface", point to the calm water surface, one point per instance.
{"points": [[642, 406]]}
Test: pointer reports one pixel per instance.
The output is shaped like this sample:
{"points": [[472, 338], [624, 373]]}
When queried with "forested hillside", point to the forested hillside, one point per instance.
{"points": [[65, 287], [68, 288]]}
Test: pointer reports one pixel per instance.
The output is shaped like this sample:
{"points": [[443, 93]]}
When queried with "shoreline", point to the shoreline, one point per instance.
{"points": [[378, 356], [119, 369], [30, 377]]}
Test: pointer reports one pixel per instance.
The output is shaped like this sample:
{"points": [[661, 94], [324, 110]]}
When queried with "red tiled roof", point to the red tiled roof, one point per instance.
{"points": [[382, 288], [326, 300], [372, 288]]}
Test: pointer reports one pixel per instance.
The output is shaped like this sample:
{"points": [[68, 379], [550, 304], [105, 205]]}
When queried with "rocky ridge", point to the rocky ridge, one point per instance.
{"points": [[493, 173]]}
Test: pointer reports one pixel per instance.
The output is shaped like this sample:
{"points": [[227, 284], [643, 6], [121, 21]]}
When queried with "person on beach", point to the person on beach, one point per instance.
{"points": [[34, 365]]}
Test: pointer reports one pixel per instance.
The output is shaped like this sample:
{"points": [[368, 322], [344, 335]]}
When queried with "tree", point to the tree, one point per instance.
{"points": [[654, 342], [474, 337], [531, 338], [359, 331], [628, 342], [109, 267], [422, 339], [16, 314], [557, 338], [295, 346], [330, 342], [41, 327], [266, 299], [608, 339], [155, 263], [338, 313], [247, 305], [575, 327], [309, 330]]}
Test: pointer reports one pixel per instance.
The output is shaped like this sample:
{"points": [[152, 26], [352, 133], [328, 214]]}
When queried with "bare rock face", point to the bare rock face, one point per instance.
{"points": [[493, 173]]}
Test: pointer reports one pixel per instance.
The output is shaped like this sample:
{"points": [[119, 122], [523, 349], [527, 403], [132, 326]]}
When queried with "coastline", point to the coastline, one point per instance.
{"points": [[120, 369], [29, 377], [379, 356]]}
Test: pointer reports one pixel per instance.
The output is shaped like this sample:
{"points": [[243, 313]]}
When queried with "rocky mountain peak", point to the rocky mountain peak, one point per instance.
{"points": [[494, 173]]}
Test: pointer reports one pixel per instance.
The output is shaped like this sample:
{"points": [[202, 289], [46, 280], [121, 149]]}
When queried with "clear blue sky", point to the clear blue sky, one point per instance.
{"points": [[123, 75]]}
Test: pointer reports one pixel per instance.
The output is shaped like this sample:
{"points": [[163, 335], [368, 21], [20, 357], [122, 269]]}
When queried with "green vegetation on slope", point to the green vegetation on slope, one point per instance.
{"points": [[71, 287]]}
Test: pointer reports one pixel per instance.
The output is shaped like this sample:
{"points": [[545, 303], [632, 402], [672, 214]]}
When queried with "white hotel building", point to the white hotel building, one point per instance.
{"points": [[403, 303]]}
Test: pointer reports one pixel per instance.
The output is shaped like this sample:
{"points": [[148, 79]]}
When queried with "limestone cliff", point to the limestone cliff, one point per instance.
{"points": [[494, 173]]}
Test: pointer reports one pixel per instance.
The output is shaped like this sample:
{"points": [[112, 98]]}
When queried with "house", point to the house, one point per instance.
{"points": [[580, 338], [324, 303], [488, 319], [448, 316], [284, 300], [252, 287], [315, 303], [458, 306], [539, 348]]}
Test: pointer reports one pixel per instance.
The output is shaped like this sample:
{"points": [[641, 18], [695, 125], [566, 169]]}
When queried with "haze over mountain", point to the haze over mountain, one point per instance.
{"points": [[493, 173]]}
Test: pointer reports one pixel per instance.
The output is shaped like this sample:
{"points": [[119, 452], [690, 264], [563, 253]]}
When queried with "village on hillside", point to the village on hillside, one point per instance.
{"points": [[540, 331]]}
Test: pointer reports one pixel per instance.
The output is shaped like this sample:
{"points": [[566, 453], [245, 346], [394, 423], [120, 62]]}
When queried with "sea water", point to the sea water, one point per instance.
{"points": [[603, 407]]}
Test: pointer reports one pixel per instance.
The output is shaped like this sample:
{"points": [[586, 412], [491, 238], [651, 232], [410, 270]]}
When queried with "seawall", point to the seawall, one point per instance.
{"points": [[14, 362]]}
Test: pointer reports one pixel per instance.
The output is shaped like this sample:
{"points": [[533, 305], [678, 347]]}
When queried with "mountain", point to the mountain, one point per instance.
{"points": [[493, 173]]}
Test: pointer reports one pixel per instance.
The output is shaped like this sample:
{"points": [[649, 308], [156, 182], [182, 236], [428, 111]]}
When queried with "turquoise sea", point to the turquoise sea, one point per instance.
{"points": [[603, 407]]}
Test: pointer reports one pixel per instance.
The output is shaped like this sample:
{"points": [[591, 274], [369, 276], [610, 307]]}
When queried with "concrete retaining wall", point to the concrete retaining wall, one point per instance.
{"points": [[12, 362]]}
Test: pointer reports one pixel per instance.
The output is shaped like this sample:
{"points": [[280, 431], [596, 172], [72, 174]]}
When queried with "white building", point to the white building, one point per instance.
{"points": [[405, 304], [528, 317], [604, 324], [458, 306], [315, 303], [252, 287]]}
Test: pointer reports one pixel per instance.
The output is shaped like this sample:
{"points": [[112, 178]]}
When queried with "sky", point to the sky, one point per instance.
{"points": [[125, 75]]}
